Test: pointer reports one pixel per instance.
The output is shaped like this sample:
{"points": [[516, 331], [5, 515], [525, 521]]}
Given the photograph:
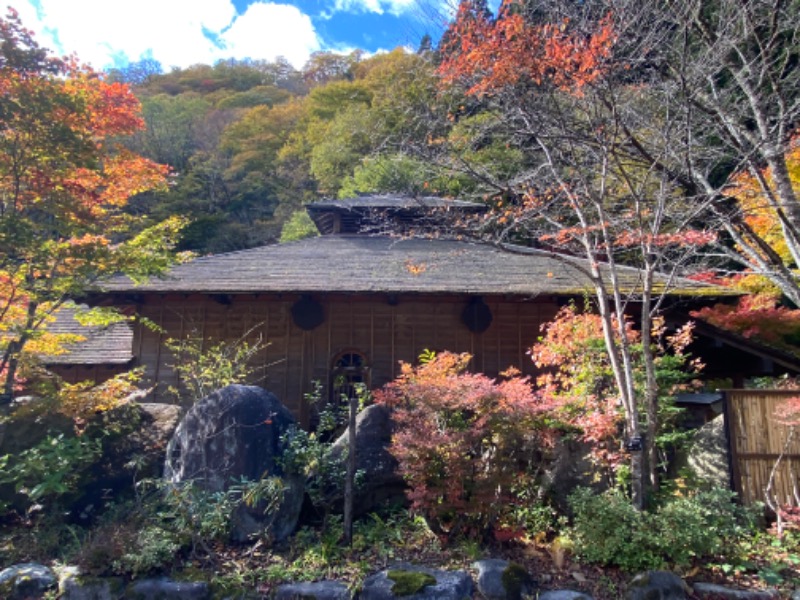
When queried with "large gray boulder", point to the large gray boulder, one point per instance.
{"points": [[231, 434], [708, 455], [567, 466], [160, 422], [381, 482]]}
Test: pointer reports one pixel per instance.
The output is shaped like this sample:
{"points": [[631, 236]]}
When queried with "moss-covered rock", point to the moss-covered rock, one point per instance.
{"points": [[415, 582], [408, 583], [73, 584]]}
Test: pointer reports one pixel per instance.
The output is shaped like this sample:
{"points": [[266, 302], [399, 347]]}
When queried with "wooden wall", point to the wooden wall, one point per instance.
{"points": [[385, 331], [96, 373], [757, 439]]}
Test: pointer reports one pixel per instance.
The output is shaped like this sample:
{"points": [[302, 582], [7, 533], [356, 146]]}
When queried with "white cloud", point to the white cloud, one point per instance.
{"points": [[269, 30], [395, 7], [174, 32]]}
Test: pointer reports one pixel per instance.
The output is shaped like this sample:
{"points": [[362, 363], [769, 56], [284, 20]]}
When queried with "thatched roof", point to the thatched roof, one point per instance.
{"points": [[351, 214], [109, 345], [364, 264]]}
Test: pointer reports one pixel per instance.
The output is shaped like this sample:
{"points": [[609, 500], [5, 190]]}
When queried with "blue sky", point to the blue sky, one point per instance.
{"points": [[180, 33]]}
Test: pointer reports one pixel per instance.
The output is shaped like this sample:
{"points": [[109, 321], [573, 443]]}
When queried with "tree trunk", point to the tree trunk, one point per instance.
{"points": [[13, 353], [651, 382], [349, 483], [638, 478]]}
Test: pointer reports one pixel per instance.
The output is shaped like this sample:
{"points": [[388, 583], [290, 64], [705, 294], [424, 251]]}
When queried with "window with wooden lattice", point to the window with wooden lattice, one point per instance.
{"points": [[349, 369]]}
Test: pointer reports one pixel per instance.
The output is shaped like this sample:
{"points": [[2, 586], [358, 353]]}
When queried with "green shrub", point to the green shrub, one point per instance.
{"points": [[146, 536], [52, 468], [530, 512], [608, 530], [208, 516], [204, 365], [131, 546], [154, 549], [312, 454]]}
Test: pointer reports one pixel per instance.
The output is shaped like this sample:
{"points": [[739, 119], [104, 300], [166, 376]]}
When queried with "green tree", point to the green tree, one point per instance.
{"points": [[321, 132], [363, 129], [405, 174], [324, 67], [257, 172], [213, 125], [172, 128], [297, 227], [347, 139]]}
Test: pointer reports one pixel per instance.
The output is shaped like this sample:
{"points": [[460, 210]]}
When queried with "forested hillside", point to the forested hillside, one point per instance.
{"points": [[250, 142]]}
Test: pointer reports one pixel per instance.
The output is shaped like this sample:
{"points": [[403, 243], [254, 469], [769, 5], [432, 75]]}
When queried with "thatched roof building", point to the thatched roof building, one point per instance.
{"points": [[347, 306]]}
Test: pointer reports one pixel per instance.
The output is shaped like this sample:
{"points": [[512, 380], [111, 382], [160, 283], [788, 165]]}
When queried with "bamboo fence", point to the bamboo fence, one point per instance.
{"points": [[761, 447]]}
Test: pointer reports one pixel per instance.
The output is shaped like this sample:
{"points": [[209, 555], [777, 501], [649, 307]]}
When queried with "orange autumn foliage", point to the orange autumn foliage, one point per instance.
{"points": [[758, 210], [577, 380], [509, 50], [80, 401], [60, 153]]}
